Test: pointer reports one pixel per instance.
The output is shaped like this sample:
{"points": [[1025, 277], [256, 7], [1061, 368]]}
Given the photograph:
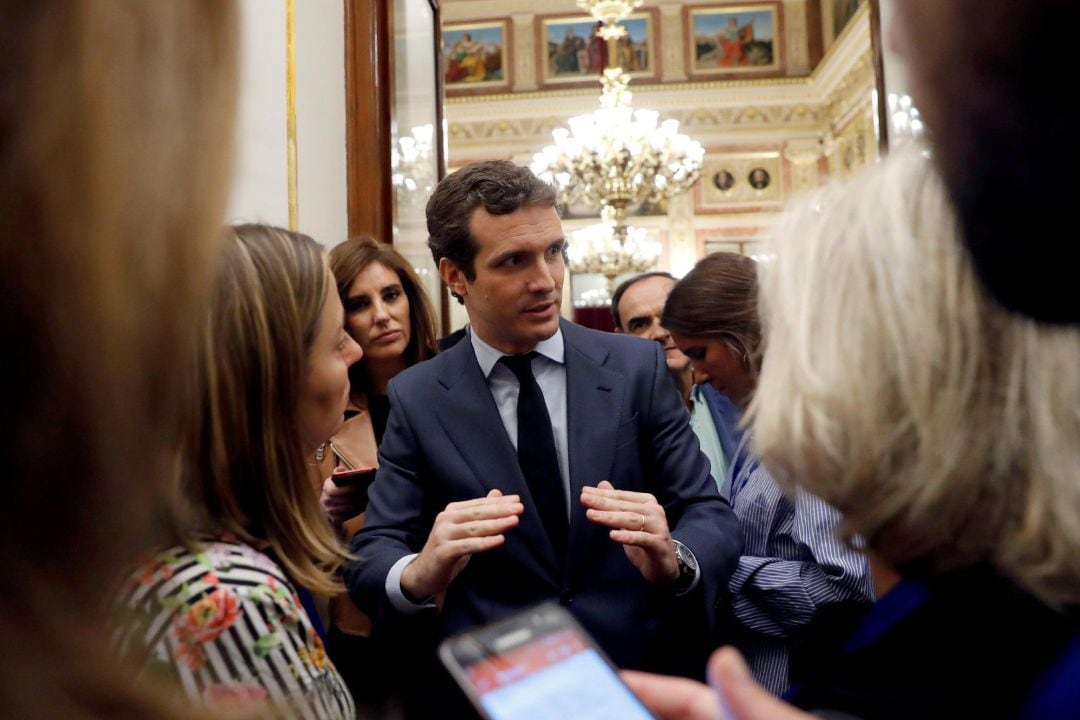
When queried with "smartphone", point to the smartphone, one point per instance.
{"points": [[361, 479], [539, 663], [343, 477]]}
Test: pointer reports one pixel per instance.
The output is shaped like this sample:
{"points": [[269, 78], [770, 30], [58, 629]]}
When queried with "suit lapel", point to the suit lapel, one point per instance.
{"points": [[474, 427], [594, 401]]}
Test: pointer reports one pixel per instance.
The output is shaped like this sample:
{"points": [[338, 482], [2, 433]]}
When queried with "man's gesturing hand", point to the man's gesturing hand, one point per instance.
{"points": [[460, 530], [639, 524]]}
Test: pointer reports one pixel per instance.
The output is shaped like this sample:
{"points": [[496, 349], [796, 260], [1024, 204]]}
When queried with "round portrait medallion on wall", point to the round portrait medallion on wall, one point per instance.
{"points": [[723, 180], [758, 178]]}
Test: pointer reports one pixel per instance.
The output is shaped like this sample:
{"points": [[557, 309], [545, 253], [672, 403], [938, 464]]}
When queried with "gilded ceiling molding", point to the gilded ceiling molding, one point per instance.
{"points": [[536, 129], [479, 138], [767, 116], [853, 91], [638, 88], [517, 128]]}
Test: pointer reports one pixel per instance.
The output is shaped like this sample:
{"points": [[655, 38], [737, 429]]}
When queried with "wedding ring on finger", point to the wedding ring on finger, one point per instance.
{"points": [[642, 526]]}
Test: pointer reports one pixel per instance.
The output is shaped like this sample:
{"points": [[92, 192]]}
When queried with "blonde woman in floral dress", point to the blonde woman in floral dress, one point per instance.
{"points": [[228, 614]]}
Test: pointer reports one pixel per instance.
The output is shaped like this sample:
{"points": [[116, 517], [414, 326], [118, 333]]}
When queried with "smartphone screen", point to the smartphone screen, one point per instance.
{"points": [[539, 664]]}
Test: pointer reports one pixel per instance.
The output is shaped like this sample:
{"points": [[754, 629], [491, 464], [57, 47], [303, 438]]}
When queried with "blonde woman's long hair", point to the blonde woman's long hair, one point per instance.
{"points": [[116, 127], [944, 428], [245, 470]]}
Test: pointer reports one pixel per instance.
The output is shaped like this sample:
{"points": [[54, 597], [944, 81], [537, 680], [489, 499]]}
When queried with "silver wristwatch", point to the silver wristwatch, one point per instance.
{"points": [[688, 567]]}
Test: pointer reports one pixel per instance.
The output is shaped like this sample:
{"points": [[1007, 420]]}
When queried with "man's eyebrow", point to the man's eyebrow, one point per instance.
{"points": [[502, 255]]}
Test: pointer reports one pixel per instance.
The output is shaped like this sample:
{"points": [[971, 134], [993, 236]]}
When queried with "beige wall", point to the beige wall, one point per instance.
{"points": [[261, 183]]}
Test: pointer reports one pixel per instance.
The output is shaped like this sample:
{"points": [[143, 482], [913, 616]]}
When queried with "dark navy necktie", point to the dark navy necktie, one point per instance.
{"points": [[536, 451]]}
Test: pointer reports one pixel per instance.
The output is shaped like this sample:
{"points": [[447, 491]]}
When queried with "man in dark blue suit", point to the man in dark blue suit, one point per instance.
{"points": [[636, 308], [565, 471]]}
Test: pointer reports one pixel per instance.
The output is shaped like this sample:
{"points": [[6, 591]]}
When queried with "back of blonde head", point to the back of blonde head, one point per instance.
{"points": [[944, 428], [115, 127]]}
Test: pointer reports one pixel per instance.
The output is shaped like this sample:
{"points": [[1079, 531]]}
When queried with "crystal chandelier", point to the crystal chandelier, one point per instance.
{"points": [[905, 121], [412, 171], [597, 250], [616, 157]]}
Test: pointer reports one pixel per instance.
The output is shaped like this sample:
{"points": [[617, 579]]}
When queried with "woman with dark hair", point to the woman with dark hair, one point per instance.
{"points": [[795, 578], [387, 312], [390, 316]]}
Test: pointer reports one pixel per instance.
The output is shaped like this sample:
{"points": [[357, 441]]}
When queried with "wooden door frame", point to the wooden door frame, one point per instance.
{"points": [[369, 118]]}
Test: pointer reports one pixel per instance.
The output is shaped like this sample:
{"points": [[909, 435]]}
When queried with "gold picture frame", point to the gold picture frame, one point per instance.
{"points": [[477, 57], [569, 53], [734, 40]]}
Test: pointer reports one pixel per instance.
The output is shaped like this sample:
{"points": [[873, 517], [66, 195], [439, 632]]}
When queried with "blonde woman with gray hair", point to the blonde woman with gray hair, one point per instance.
{"points": [[947, 431]]}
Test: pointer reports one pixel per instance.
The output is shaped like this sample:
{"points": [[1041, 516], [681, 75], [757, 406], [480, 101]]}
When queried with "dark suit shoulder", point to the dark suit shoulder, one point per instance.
{"points": [[619, 345], [421, 374], [418, 373]]}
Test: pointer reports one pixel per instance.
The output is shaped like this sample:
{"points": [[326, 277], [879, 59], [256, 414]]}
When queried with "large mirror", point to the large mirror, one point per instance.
{"points": [[394, 126], [416, 135]]}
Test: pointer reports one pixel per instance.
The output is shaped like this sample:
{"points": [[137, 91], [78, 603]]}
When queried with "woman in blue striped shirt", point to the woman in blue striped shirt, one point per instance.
{"points": [[796, 576]]}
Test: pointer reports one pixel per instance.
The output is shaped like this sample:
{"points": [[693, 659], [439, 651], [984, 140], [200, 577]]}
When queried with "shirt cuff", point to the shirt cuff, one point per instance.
{"points": [[697, 570], [396, 595]]}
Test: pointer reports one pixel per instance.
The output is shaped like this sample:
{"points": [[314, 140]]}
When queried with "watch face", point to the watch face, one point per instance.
{"points": [[685, 557]]}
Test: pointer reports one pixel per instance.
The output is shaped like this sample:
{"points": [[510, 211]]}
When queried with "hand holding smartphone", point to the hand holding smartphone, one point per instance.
{"points": [[357, 481], [539, 663]]}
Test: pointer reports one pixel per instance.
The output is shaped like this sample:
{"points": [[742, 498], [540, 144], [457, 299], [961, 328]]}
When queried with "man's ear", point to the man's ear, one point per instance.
{"points": [[453, 276]]}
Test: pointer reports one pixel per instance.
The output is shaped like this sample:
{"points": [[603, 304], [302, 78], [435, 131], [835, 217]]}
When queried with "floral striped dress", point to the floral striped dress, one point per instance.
{"points": [[226, 624]]}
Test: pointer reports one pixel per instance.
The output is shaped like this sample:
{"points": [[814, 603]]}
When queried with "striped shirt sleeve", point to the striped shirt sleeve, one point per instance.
{"points": [[225, 624], [794, 562]]}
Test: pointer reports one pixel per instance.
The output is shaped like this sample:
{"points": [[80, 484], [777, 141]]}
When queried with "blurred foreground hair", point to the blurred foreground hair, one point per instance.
{"points": [[116, 122]]}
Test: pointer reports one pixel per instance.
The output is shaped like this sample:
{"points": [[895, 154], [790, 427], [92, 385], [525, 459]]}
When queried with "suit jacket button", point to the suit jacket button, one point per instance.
{"points": [[566, 597]]}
